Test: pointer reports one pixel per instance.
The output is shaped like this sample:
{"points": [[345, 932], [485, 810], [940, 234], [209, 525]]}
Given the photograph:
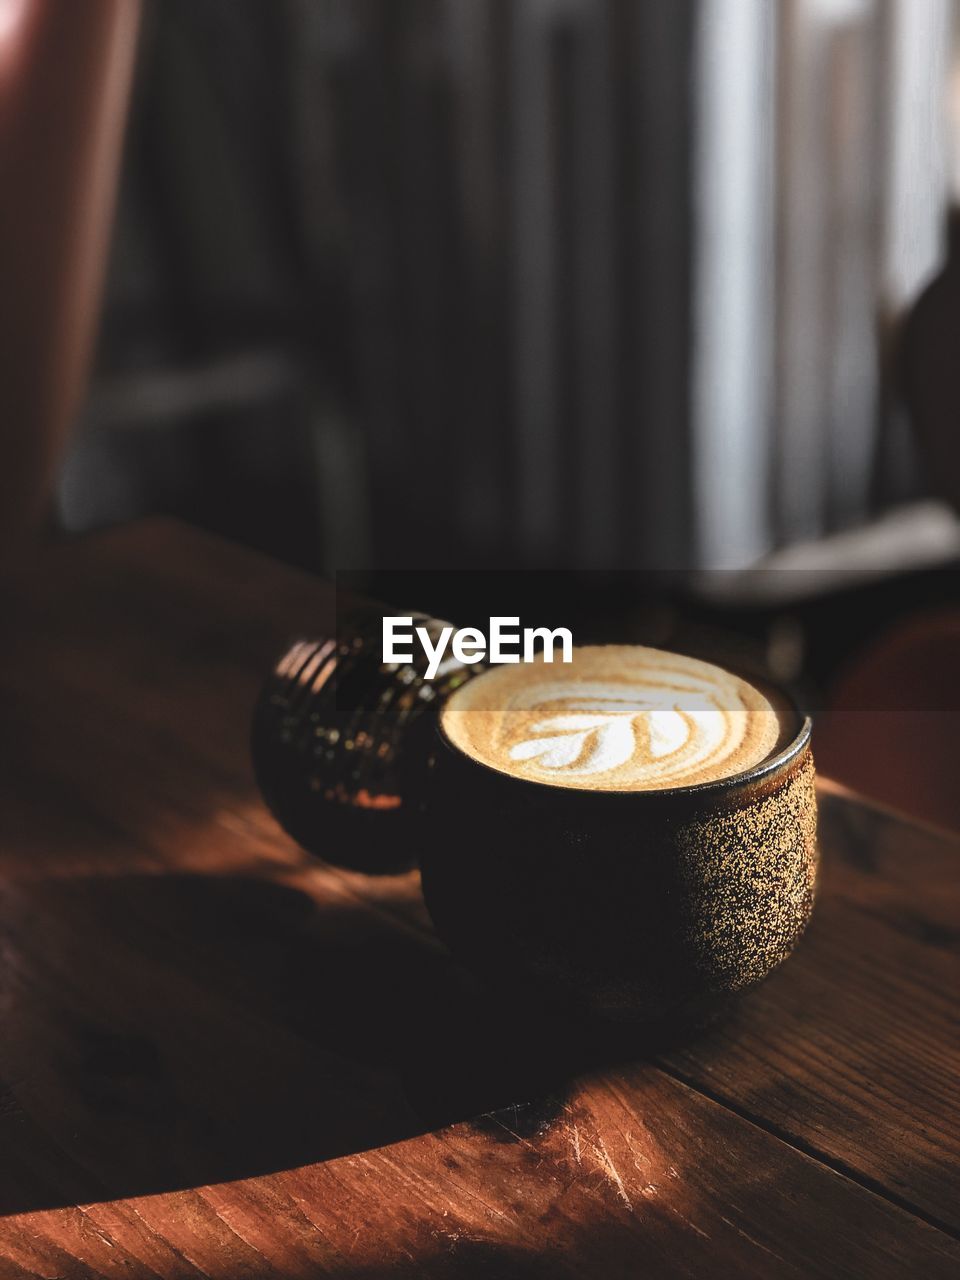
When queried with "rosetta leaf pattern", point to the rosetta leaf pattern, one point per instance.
{"points": [[598, 735]]}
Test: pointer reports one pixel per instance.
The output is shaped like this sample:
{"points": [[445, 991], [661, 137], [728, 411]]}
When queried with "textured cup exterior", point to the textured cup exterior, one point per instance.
{"points": [[636, 906]]}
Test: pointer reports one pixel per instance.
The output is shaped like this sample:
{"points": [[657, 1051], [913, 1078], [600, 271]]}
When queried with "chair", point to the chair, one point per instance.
{"points": [[891, 723]]}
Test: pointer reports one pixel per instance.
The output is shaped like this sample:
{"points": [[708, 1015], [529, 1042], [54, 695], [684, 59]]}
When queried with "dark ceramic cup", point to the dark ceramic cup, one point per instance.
{"points": [[643, 906]]}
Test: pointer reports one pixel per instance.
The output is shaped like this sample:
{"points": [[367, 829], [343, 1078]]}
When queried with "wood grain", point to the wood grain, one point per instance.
{"points": [[853, 1053], [223, 1059]]}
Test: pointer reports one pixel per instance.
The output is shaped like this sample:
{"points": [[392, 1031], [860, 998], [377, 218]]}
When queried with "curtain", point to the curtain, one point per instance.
{"points": [[822, 189], [602, 283]]}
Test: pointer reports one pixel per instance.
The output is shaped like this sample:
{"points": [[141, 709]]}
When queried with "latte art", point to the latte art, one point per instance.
{"points": [[617, 718]]}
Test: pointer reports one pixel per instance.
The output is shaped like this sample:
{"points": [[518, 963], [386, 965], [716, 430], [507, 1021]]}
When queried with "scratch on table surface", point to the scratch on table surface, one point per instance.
{"points": [[89, 1228], [491, 1208], [603, 1159], [747, 1236], [494, 1117], [575, 1132], [692, 1225], [455, 1237], [638, 1156]]}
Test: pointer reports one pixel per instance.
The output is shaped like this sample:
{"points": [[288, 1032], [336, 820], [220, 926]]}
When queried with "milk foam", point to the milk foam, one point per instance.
{"points": [[617, 718]]}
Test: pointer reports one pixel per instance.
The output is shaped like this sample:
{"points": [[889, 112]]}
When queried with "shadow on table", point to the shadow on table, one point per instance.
{"points": [[170, 1031]]}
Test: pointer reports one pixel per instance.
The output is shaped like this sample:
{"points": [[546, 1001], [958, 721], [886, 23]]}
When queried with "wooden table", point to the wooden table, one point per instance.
{"points": [[219, 1058]]}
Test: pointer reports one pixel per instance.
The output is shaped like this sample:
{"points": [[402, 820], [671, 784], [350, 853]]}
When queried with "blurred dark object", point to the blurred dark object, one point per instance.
{"points": [[340, 742], [931, 371], [890, 727], [64, 81]]}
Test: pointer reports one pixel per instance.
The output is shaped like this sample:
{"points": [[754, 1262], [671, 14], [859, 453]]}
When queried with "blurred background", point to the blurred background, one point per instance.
{"points": [[582, 284], [557, 282]]}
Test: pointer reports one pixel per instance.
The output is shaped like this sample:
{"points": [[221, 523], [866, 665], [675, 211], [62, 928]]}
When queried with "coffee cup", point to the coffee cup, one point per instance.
{"points": [[635, 883]]}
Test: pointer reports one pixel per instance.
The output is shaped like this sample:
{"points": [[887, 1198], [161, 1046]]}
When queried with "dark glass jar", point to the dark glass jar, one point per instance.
{"points": [[340, 742]]}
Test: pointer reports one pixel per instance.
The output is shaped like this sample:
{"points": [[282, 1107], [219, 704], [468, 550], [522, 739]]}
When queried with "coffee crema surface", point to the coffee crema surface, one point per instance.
{"points": [[616, 718]]}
